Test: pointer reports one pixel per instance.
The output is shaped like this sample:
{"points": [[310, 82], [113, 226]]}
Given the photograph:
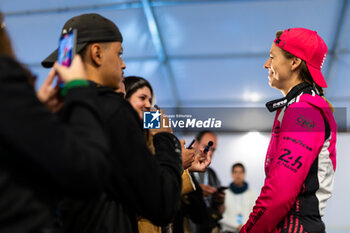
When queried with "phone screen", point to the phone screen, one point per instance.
{"points": [[66, 50]]}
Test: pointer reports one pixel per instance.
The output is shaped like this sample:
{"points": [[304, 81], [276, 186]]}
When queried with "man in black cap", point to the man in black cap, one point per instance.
{"points": [[140, 184], [103, 58]]}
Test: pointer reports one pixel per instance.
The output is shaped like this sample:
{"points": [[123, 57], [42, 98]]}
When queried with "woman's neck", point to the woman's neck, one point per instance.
{"points": [[290, 85]]}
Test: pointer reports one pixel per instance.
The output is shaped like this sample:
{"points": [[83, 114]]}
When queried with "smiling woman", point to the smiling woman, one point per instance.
{"points": [[139, 93], [280, 71], [302, 145]]}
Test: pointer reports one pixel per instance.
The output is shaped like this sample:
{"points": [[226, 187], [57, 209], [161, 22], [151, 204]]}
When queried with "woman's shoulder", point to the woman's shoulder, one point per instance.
{"points": [[12, 72], [7, 62]]}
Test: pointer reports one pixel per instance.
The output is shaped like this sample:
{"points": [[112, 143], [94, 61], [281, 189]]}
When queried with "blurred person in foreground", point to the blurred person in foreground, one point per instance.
{"points": [[43, 157], [301, 158], [140, 183]]}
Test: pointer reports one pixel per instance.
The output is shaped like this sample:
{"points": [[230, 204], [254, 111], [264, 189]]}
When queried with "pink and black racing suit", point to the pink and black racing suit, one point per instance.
{"points": [[299, 166]]}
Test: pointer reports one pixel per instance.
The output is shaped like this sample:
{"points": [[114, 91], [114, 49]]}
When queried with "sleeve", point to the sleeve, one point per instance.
{"points": [[300, 140], [71, 157], [194, 205], [150, 184], [196, 209], [187, 183]]}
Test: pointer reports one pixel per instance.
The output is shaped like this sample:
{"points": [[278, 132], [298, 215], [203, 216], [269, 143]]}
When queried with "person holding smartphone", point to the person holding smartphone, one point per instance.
{"points": [[140, 183], [139, 93], [202, 209], [42, 156], [301, 158]]}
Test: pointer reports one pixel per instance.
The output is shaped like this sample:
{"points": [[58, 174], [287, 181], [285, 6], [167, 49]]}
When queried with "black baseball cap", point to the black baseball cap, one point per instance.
{"points": [[91, 28]]}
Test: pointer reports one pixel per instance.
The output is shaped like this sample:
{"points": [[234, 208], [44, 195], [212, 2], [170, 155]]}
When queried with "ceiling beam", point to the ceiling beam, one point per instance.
{"points": [[119, 6], [334, 48], [92, 7], [194, 57], [159, 46]]}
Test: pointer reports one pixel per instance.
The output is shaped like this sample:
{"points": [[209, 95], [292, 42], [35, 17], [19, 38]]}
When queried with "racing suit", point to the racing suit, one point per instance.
{"points": [[299, 166]]}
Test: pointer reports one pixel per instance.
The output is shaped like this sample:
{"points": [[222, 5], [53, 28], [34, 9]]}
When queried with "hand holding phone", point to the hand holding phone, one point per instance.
{"points": [[66, 50]]}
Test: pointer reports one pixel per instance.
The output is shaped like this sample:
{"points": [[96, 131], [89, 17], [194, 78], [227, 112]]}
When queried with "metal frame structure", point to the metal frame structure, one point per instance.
{"points": [[334, 51], [162, 57]]}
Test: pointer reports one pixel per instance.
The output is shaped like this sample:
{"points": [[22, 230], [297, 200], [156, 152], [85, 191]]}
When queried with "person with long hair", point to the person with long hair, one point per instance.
{"points": [[43, 157], [301, 158], [139, 93]]}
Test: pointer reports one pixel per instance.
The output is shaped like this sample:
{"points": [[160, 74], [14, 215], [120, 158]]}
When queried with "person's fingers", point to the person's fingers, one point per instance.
{"points": [[207, 159], [78, 64], [207, 162], [58, 106], [75, 71], [202, 157], [220, 194], [191, 162], [182, 142], [59, 68], [209, 189], [53, 93], [50, 77], [44, 90]]}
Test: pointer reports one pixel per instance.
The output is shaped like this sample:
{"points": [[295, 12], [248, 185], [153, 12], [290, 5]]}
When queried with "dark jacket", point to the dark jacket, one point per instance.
{"points": [[41, 156], [140, 183], [212, 205], [194, 208]]}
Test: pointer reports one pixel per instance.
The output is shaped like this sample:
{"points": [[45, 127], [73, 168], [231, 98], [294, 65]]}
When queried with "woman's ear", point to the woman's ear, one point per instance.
{"points": [[296, 62]]}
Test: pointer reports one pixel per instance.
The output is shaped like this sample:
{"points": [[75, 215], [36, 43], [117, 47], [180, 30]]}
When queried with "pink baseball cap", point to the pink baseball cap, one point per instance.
{"points": [[308, 46]]}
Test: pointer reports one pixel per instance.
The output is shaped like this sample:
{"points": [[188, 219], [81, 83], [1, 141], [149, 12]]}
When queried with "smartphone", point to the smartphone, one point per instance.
{"points": [[222, 188], [66, 50]]}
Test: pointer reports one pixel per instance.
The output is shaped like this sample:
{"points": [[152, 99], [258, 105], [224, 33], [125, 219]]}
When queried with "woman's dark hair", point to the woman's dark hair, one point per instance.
{"points": [[133, 83], [5, 43], [6, 48], [238, 165], [304, 72]]}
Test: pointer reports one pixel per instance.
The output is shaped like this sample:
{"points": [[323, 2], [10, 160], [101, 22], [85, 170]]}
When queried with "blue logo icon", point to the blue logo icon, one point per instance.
{"points": [[151, 120]]}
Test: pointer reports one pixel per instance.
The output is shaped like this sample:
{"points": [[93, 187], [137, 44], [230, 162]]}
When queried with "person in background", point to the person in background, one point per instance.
{"points": [[209, 183], [121, 89], [239, 201], [139, 93], [202, 209]]}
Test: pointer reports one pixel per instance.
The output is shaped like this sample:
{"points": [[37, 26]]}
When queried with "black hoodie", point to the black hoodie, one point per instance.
{"points": [[42, 157]]}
